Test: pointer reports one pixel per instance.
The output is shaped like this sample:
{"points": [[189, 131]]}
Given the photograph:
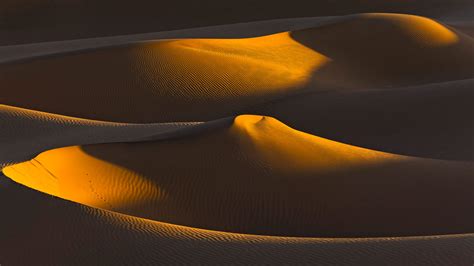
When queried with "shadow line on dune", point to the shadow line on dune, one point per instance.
{"points": [[388, 50], [244, 179], [381, 200]]}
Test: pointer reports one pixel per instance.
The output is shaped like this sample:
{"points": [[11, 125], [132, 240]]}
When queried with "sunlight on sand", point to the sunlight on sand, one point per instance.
{"points": [[259, 65], [74, 174], [62, 173], [420, 29], [288, 150]]}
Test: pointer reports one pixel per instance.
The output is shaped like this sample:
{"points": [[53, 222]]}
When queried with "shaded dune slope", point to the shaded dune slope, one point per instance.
{"points": [[466, 27], [433, 120], [169, 78], [113, 238], [37, 20], [25, 133], [380, 50], [255, 175]]}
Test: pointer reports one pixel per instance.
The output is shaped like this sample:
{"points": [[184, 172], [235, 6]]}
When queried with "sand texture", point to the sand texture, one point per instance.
{"points": [[332, 137]]}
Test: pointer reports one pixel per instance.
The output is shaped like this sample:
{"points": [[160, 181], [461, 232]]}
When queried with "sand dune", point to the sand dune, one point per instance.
{"points": [[333, 139], [25, 133], [238, 30], [168, 78], [53, 231], [217, 77], [259, 176], [433, 120], [37, 20], [68, 227]]}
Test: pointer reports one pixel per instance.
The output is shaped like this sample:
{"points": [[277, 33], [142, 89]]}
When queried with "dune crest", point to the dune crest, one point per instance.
{"points": [[400, 120], [425, 31], [282, 148], [220, 77], [25, 133]]}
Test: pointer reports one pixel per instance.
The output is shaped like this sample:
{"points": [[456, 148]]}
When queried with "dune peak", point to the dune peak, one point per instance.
{"points": [[420, 29]]}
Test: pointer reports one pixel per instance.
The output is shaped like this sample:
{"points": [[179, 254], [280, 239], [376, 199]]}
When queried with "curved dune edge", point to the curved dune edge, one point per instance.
{"points": [[265, 178], [19, 52], [82, 19], [400, 121], [338, 116], [466, 27], [205, 75], [67, 227], [11, 53], [25, 133]]}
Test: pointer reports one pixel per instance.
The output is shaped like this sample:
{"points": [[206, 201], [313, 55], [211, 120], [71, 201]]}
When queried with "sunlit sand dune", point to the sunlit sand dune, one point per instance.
{"points": [[167, 78], [218, 77], [259, 176]]}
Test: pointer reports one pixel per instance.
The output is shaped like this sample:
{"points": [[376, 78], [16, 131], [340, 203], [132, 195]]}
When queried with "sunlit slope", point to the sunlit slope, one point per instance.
{"points": [[256, 175], [204, 79], [169, 80]]}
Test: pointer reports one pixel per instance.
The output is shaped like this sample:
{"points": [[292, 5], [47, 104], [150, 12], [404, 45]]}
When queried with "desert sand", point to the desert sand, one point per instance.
{"points": [[219, 77], [28, 21], [342, 138]]}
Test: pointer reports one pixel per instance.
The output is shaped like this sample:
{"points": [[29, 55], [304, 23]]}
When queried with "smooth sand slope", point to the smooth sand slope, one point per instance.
{"points": [[259, 176], [466, 27], [205, 79], [40, 20], [67, 227], [237, 30], [433, 120], [52, 231], [25, 133]]}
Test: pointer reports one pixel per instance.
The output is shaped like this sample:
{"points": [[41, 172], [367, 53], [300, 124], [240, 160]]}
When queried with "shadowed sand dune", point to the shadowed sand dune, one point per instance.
{"points": [[26, 133], [433, 120], [40, 20], [466, 27], [259, 176], [217, 77], [53, 231]]}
